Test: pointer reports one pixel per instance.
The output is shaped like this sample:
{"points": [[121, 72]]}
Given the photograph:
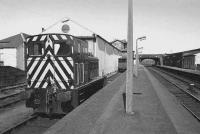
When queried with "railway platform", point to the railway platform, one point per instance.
{"points": [[156, 111], [183, 70]]}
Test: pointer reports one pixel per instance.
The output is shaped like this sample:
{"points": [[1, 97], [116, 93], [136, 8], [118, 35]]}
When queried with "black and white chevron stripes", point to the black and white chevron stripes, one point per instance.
{"points": [[58, 69], [53, 37]]}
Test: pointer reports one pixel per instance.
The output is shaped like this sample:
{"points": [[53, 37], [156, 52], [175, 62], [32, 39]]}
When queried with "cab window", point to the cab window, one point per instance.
{"points": [[62, 49], [35, 49]]}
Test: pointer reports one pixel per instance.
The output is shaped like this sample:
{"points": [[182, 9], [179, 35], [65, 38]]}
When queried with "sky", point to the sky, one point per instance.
{"points": [[169, 25]]}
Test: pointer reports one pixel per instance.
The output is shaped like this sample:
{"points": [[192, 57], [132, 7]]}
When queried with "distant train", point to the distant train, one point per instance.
{"points": [[122, 64], [55, 65]]}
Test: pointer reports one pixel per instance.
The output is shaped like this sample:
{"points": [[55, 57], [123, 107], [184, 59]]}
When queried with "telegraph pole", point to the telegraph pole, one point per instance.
{"points": [[129, 72]]}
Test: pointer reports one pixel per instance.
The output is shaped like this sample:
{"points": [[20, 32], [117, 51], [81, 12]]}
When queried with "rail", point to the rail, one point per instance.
{"points": [[19, 124], [189, 99], [195, 77], [12, 87], [11, 95]]}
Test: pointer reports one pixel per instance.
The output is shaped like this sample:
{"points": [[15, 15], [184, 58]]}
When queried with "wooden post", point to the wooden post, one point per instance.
{"points": [[129, 72]]}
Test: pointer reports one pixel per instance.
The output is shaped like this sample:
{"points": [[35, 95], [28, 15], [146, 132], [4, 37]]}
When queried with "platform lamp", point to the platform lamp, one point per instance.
{"points": [[137, 58], [139, 52]]}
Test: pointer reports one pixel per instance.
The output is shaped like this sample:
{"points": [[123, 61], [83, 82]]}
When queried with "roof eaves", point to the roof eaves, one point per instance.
{"points": [[108, 42]]}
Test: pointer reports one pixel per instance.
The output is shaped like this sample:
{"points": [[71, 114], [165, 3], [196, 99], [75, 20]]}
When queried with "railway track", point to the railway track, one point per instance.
{"points": [[11, 95], [182, 78], [33, 124], [22, 85], [189, 98], [10, 129]]}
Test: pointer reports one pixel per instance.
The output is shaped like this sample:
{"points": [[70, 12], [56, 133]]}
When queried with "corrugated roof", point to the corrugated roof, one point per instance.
{"points": [[13, 41]]}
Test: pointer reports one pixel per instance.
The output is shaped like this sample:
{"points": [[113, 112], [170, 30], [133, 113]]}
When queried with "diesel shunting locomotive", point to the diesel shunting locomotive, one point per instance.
{"points": [[56, 64]]}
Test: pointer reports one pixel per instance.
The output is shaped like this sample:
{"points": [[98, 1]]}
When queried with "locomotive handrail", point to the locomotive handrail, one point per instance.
{"points": [[83, 86], [81, 93]]}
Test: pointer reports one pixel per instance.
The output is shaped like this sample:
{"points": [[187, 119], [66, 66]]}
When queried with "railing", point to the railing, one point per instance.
{"points": [[82, 93]]}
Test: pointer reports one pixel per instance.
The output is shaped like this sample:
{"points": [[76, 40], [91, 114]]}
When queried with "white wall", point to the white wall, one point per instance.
{"points": [[20, 57], [108, 59], [107, 55], [100, 54], [9, 57], [197, 58]]}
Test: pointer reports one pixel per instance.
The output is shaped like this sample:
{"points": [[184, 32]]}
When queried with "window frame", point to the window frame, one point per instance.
{"points": [[59, 42], [32, 44]]}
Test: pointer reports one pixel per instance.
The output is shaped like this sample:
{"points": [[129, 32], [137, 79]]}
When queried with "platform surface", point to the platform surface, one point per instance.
{"points": [[156, 111]]}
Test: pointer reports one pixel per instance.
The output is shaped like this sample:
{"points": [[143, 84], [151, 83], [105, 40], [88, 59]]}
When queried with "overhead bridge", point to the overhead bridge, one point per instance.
{"points": [[158, 58]]}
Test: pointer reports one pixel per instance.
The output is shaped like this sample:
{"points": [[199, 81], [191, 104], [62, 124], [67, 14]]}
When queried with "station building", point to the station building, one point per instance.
{"points": [[187, 59], [98, 46], [191, 59], [106, 53], [12, 51], [12, 61]]}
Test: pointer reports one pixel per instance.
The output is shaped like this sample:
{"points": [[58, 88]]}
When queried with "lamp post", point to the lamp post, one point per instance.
{"points": [[136, 56], [129, 72], [139, 52]]}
